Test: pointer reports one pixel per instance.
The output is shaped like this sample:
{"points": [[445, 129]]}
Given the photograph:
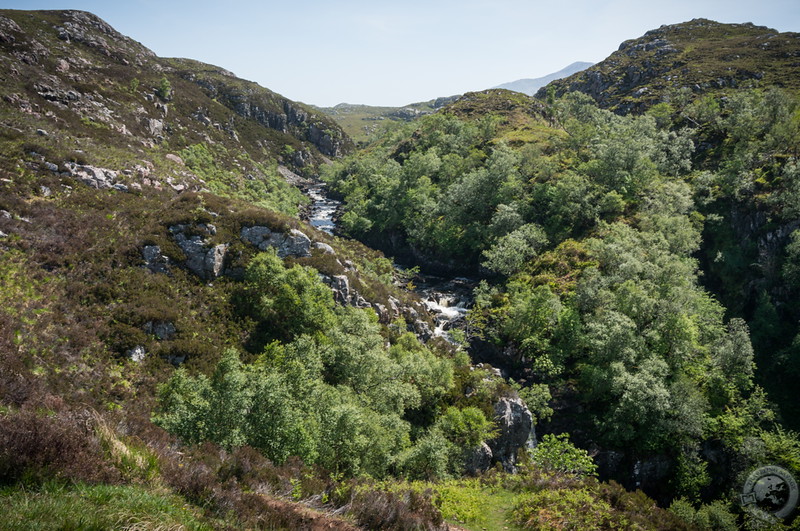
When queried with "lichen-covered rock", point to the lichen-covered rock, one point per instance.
{"points": [[100, 178], [292, 243], [154, 260], [295, 243], [205, 261], [324, 247], [478, 460], [514, 422]]}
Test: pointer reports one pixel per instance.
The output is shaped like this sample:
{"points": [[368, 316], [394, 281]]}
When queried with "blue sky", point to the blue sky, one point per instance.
{"points": [[393, 53]]}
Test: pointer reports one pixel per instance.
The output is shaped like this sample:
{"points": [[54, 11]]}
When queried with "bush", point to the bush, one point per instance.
{"points": [[557, 454]]}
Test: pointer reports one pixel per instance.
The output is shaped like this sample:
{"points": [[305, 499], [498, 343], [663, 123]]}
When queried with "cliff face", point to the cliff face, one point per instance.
{"points": [[699, 56]]}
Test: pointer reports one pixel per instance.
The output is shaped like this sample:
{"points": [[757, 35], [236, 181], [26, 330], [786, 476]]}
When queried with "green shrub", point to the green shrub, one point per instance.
{"points": [[557, 454]]}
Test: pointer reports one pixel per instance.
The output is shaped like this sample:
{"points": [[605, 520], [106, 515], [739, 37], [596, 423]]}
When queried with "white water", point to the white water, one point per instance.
{"points": [[323, 210], [447, 299]]}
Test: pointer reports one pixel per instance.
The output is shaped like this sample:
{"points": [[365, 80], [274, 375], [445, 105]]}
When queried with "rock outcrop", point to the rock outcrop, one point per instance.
{"points": [[291, 243], [203, 259], [515, 424]]}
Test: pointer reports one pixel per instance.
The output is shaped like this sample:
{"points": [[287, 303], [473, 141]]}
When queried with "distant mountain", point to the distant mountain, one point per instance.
{"points": [[699, 56], [530, 86]]}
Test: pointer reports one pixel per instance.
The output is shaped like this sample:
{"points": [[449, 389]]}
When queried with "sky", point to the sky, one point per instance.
{"points": [[377, 52]]}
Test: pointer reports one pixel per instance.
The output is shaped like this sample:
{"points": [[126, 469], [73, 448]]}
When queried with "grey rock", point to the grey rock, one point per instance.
{"points": [[478, 460], [153, 126], [215, 260], [50, 166], [256, 235], [120, 187], [163, 330], [154, 260], [5, 214], [42, 132], [324, 247], [3, 234], [383, 313], [295, 243], [136, 354], [46, 192], [340, 285], [204, 261], [514, 423], [95, 177]]}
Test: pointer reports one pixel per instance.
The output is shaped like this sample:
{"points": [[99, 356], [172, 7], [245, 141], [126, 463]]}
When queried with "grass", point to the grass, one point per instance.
{"points": [[90, 507]]}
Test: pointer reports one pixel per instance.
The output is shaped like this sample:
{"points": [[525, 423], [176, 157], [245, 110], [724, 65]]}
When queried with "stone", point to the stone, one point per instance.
{"points": [[478, 460], [95, 177], [204, 261], [215, 260], [42, 132], [50, 166], [174, 158], [163, 330], [136, 354], [120, 187], [340, 285], [324, 247], [154, 260], [295, 243], [46, 192], [514, 422], [256, 235]]}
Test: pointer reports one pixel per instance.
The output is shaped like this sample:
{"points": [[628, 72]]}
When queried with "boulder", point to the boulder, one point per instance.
{"points": [[478, 460], [163, 330], [257, 235], [154, 260], [136, 354], [514, 423], [324, 247], [207, 262], [295, 243]]}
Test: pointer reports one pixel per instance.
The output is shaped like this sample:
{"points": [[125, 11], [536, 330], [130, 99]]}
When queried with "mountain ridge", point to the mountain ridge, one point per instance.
{"points": [[529, 86]]}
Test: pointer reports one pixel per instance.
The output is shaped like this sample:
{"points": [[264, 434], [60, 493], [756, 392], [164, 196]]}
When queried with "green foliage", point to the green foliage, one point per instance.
{"points": [[557, 454], [562, 509], [97, 507], [164, 89], [263, 186]]}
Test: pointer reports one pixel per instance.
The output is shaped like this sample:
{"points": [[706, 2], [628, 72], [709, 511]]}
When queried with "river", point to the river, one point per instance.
{"points": [[448, 299]]}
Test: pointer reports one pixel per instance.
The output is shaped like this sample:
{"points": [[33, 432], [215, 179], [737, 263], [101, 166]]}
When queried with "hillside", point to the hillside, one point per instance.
{"points": [[179, 349], [530, 86], [109, 102], [366, 123], [699, 56]]}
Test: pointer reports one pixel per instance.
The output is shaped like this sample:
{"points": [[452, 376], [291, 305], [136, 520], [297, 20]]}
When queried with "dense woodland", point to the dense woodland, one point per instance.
{"points": [[178, 349]]}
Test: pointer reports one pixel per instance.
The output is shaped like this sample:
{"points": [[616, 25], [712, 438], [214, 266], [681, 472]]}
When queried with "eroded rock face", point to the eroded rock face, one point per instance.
{"points": [[514, 423]]}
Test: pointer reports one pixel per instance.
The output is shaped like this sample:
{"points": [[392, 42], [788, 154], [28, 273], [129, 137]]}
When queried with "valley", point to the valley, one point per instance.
{"points": [[222, 308]]}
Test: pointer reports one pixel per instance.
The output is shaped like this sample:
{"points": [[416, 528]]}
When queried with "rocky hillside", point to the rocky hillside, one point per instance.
{"points": [[90, 97], [699, 56]]}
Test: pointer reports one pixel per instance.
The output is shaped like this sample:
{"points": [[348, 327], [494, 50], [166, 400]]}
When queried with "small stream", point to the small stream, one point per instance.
{"points": [[323, 210], [447, 298]]}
